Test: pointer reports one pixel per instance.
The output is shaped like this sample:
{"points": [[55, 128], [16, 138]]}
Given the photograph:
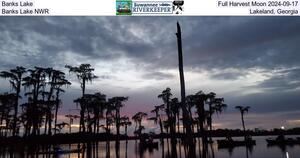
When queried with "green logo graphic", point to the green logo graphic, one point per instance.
{"points": [[123, 7]]}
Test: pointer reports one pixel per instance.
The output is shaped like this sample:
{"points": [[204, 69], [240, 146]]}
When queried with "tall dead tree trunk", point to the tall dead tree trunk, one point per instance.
{"points": [[186, 118]]}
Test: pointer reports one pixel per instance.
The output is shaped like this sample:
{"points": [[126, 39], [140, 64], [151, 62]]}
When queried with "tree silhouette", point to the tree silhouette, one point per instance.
{"points": [[86, 102], [15, 78], [116, 104], [138, 132], [109, 117], [98, 109], [35, 106], [166, 97], [243, 110], [210, 100], [57, 80], [125, 122], [57, 102], [71, 118], [187, 119], [190, 102], [216, 105], [95, 105], [175, 109], [158, 117], [198, 100], [84, 73], [41, 101], [137, 118], [7, 102]]}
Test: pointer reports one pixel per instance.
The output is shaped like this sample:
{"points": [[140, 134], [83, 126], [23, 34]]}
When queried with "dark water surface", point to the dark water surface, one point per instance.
{"points": [[131, 149]]}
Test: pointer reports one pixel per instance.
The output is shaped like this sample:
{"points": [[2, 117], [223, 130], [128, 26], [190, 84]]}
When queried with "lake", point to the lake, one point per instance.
{"points": [[131, 150]]}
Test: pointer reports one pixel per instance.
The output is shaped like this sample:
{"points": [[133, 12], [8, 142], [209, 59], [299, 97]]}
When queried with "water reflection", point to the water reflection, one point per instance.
{"points": [[166, 148]]}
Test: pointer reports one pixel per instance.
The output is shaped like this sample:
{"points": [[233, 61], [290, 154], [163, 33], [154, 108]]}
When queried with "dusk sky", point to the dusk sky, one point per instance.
{"points": [[250, 61]]}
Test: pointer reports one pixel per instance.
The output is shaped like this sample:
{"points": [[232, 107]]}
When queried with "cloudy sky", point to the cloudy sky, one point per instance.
{"points": [[250, 61]]}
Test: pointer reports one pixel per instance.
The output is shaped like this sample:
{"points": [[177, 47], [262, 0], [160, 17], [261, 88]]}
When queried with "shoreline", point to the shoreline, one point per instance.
{"points": [[102, 137]]}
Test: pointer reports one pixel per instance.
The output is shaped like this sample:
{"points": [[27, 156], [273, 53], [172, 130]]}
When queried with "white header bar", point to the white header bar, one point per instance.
{"points": [[150, 7]]}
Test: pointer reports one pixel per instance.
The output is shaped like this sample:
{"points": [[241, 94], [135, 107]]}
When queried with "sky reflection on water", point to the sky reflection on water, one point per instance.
{"points": [[131, 150]]}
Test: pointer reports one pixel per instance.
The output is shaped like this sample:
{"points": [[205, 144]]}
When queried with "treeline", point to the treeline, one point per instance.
{"points": [[42, 88], [200, 106], [255, 132]]}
